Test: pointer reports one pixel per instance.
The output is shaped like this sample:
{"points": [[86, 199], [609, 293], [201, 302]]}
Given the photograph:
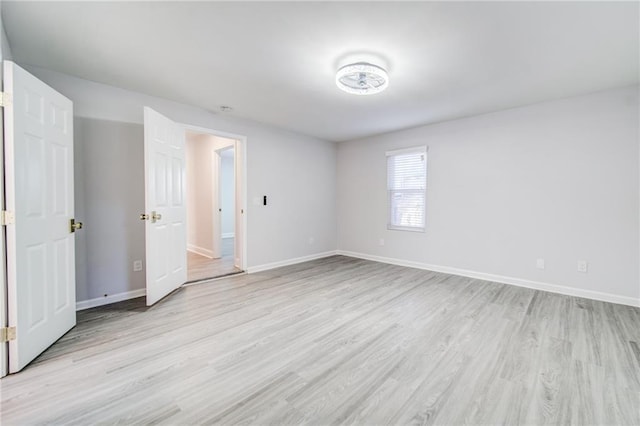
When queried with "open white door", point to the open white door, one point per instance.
{"points": [[216, 205], [38, 144], [166, 213], [240, 191]]}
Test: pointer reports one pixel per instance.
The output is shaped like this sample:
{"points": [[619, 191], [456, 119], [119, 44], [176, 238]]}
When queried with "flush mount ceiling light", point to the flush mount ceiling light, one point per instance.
{"points": [[362, 78]]}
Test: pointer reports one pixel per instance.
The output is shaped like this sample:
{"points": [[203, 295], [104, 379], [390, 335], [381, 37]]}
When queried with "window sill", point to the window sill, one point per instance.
{"points": [[404, 228]]}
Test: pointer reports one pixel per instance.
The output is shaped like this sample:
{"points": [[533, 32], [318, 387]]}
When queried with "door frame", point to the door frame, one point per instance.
{"points": [[4, 299], [240, 162]]}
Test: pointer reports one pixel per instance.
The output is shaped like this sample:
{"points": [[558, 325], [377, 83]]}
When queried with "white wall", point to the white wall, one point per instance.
{"points": [[556, 180], [5, 48], [199, 196], [297, 172], [227, 194]]}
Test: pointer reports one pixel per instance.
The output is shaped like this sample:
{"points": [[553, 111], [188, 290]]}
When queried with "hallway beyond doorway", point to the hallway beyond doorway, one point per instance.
{"points": [[201, 267]]}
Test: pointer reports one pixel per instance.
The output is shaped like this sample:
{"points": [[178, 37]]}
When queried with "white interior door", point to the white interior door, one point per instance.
{"points": [[240, 222], [166, 213], [38, 144], [216, 209]]}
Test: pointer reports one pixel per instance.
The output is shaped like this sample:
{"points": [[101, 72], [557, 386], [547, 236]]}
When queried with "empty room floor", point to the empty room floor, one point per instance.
{"points": [[340, 340], [201, 267]]}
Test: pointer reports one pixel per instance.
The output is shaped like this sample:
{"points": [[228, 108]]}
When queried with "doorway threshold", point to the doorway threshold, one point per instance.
{"points": [[216, 278]]}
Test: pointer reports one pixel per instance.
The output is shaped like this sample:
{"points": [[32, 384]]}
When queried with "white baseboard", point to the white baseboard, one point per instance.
{"points": [[535, 285], [113, 298], [229, 235], [267, 266], [201, 251]]}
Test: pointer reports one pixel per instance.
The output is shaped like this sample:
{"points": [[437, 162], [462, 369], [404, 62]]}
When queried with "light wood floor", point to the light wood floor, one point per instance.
{"points": [[340, 340], [201, 267]]}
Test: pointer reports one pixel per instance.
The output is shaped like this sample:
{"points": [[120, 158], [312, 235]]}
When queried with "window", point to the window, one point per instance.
{"points": [[406, 185]]}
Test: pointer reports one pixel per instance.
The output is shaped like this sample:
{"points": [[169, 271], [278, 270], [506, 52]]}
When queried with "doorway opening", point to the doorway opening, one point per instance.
{"points": [[214, 221]]}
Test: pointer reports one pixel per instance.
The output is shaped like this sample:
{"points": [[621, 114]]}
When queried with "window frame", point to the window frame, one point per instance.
{"points": [[423, 149]]}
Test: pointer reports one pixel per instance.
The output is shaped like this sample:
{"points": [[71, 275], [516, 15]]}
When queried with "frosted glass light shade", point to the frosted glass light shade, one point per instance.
{"points": [[362, 79]]}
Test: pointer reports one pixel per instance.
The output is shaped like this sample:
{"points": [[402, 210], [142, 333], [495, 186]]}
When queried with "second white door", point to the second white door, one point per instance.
{"points": [[165, 205]]}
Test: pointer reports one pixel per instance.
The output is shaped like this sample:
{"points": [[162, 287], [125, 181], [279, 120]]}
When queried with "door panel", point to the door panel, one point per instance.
{"points": [[238, 170], [166, 237], [39, 190], [216, 204]]}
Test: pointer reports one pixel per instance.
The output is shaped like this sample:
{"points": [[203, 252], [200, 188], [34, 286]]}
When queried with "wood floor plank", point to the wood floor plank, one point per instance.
{"points": [[339, 341]]}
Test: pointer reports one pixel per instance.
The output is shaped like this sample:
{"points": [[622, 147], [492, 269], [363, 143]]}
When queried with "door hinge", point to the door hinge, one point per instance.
{"points": [[7, 334], [7, 218], [5, 99]]}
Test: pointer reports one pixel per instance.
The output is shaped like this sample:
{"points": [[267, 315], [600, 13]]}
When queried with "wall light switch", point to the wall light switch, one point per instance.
{"points": [[583, 266], [381, 242], [540, 263], [312, 240], [137, 265]]}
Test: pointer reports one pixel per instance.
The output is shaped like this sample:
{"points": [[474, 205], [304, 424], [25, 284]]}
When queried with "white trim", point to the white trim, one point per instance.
{"points": [[421, 148], [227, 135], [273, 265], [229, 235], [405, 228], [209, 280], [119, 297], [201, 251], [4, 347], [535, 285]]}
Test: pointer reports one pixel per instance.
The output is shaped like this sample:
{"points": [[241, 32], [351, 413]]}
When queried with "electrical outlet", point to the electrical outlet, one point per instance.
{"points": [[381, 242], [312, 240], [540, 263], [583, 266], [137, 265]]}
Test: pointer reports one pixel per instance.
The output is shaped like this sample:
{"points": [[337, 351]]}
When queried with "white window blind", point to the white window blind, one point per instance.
{"points": [[406, 187]]}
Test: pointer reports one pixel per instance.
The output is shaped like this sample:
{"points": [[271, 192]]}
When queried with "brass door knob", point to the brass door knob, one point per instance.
{"points": [[155, 217], [144, 216], [74, 226]]}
